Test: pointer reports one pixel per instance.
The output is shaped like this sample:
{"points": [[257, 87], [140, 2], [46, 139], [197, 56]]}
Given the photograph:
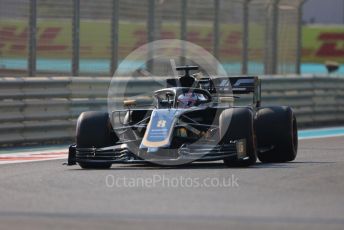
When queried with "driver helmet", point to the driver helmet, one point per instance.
{"points": [[187, 100]]}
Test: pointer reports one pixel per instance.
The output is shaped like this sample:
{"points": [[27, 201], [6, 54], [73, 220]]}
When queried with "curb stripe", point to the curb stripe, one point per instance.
{"points": [[21, 157]]}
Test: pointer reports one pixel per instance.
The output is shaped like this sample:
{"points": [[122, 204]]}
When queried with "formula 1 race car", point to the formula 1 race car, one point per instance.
{"points": [[192, 120]]}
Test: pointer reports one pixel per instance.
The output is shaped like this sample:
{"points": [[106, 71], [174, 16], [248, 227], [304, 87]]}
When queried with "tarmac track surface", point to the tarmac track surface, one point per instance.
{"points": [[305, 194]]}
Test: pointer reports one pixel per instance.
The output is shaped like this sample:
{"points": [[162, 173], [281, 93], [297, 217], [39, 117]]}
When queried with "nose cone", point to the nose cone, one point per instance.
{"points": [[159, 131]]}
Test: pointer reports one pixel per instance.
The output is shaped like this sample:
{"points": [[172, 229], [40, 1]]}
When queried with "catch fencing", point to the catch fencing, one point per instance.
{"points": [[87, 37]]}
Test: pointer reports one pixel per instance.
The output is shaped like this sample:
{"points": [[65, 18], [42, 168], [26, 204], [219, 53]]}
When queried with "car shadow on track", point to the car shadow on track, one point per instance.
{"points": [[292, 164], [211, 165]]}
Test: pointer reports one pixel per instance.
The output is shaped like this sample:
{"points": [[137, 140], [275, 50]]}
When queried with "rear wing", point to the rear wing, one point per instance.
{"points": [[232, 85], [229, 86]]}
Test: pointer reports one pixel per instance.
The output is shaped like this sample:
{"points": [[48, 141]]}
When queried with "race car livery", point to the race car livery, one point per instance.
{"points": [[190, 120]]}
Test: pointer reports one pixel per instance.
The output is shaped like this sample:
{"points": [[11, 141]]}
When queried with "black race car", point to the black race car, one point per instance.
{"points": [[191, 120]]}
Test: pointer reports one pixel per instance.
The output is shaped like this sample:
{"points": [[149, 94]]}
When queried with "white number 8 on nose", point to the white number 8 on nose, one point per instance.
{"points": [[161, 124]]}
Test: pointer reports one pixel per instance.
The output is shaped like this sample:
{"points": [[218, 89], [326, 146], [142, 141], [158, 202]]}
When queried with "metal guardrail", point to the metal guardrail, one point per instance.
{"points": [[45, 109]]}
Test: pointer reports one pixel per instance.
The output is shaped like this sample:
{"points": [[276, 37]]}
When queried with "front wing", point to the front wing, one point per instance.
{"points": [[122, 154]]}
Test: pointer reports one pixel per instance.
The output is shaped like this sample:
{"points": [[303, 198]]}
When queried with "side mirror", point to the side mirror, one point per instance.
{"points": [[166, 104], [129, 103]]}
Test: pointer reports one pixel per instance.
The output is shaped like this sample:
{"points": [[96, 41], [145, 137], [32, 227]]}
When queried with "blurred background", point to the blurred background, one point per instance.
{"points": [[84, 37]]}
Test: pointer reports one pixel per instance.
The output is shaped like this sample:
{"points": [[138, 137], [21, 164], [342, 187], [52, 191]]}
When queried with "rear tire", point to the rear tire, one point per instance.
{"points": [[94, 130], [277, 132], [236, 124]]}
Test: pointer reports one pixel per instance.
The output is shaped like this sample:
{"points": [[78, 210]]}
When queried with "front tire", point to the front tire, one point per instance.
{"points": [[236, 124], [94, 130]]}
